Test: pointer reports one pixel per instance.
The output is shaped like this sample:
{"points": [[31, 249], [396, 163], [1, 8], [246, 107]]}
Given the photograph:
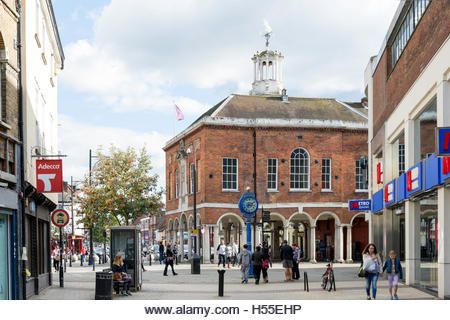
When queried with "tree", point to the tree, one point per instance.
{"points": [[121, 189]]}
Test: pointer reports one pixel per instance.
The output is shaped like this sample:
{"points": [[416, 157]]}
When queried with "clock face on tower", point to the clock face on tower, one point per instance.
{"points": [[249, 205]]}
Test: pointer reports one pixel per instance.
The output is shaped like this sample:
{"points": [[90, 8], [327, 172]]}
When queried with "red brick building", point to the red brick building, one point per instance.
{"points": [[305, 153]]}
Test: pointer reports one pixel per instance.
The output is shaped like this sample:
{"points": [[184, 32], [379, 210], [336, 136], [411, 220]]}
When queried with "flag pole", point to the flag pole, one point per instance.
{"points": [[174, 119]]}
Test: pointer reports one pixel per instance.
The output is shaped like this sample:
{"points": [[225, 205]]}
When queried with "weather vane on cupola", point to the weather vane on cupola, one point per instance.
{"points": [[267, 32]]}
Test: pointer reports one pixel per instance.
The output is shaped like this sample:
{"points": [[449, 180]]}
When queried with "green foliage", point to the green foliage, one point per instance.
{"points": [[121, 189]]}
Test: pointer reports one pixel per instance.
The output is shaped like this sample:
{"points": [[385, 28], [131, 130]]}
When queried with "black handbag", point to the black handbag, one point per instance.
{"points": [[361, 272]]}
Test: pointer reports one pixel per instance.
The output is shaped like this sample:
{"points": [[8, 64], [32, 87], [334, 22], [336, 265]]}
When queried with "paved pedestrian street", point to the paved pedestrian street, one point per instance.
{"points": [[80, 285]]}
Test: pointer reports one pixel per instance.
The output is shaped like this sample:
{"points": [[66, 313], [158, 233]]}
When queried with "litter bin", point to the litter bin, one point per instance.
{"points": [[103, 285]]}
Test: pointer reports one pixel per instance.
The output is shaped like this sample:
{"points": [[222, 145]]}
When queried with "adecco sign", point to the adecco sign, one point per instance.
{"points": [[49, 176]]}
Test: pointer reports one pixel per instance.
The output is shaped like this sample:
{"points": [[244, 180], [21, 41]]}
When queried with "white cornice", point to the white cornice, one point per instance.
{"points": [[284, 205], [266, 122]]}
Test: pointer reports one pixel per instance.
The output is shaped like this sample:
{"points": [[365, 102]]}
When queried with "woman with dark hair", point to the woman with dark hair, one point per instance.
{"points": [[266, 261], [373, 269]]}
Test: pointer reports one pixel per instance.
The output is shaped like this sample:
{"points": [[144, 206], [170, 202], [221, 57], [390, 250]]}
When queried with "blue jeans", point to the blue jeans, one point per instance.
{"points": [[244, 272], [372, 279], [221, 260]]}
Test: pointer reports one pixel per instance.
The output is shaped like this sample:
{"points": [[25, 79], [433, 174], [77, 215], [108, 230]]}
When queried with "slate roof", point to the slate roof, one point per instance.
{"points": [[272, 107], [272, 111]]}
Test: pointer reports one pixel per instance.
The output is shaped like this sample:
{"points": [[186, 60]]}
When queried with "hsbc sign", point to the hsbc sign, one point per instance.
{"points": [[49, 176]]}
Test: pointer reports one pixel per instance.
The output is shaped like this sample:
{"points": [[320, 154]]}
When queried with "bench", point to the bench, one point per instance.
{"points": [[118, 285]]}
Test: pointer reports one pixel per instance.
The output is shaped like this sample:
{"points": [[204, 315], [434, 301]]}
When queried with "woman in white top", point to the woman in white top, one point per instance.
{"points": [[229, 253], [221, 251], [373, 269]]}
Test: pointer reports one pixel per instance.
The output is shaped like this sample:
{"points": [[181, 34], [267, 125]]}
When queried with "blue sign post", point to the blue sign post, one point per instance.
{"points": [[443, 141], [248, 205]]}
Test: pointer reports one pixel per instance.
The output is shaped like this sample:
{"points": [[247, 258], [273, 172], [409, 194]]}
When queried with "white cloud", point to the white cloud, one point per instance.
{"points": [[77, 138], [108, 80], [142, 52]]}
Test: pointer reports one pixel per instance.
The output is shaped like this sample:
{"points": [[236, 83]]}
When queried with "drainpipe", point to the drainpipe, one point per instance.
{"points": [[21, 286]]}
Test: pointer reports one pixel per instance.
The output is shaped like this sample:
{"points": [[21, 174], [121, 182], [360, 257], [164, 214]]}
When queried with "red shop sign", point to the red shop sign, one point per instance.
{"points": [[49, 176]]}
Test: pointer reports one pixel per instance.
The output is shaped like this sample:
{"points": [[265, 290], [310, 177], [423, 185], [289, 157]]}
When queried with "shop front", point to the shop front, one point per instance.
{"points": [[420, 190], [5, 255], [36, 257], [8, 211]]}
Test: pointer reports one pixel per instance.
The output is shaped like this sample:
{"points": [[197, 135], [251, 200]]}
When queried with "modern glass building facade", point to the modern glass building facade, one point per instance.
{"points": [[408, 89]]}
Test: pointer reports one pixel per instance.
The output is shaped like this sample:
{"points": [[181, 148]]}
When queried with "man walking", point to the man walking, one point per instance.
{"points": [[161, 252], [244, 262], [257, 258], [295, 261], [169, 261], [175, 252], [83, 255]]}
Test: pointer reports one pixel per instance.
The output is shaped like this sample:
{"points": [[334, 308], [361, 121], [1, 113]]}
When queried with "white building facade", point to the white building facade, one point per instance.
{"points": [[43, 59]]}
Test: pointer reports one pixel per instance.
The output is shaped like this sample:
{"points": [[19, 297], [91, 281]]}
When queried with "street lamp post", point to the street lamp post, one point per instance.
{"points": [[195, 261], [105, 234], [73, 221], [91, 233]]}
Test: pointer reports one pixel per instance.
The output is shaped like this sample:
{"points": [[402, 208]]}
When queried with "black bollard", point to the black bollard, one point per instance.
{"points": [[305, 282], [221, 276]]}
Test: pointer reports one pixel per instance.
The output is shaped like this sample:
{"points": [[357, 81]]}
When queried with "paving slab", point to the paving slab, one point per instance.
{"points": [[79, 284]]}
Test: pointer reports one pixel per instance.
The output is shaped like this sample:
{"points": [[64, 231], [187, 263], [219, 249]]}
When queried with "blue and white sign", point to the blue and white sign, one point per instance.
{"points": [[389, 194], [443, 141], [248, 205], [445, 170], [432, 172], [414, 179], [377, 201], [401, 188], [359, 205]]}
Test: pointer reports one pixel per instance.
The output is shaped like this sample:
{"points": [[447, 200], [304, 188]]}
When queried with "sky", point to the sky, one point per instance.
{"points": [[128, 62]]}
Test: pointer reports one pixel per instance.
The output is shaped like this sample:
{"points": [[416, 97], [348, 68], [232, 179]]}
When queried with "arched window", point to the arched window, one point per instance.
{"points": [[299, 170]]}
